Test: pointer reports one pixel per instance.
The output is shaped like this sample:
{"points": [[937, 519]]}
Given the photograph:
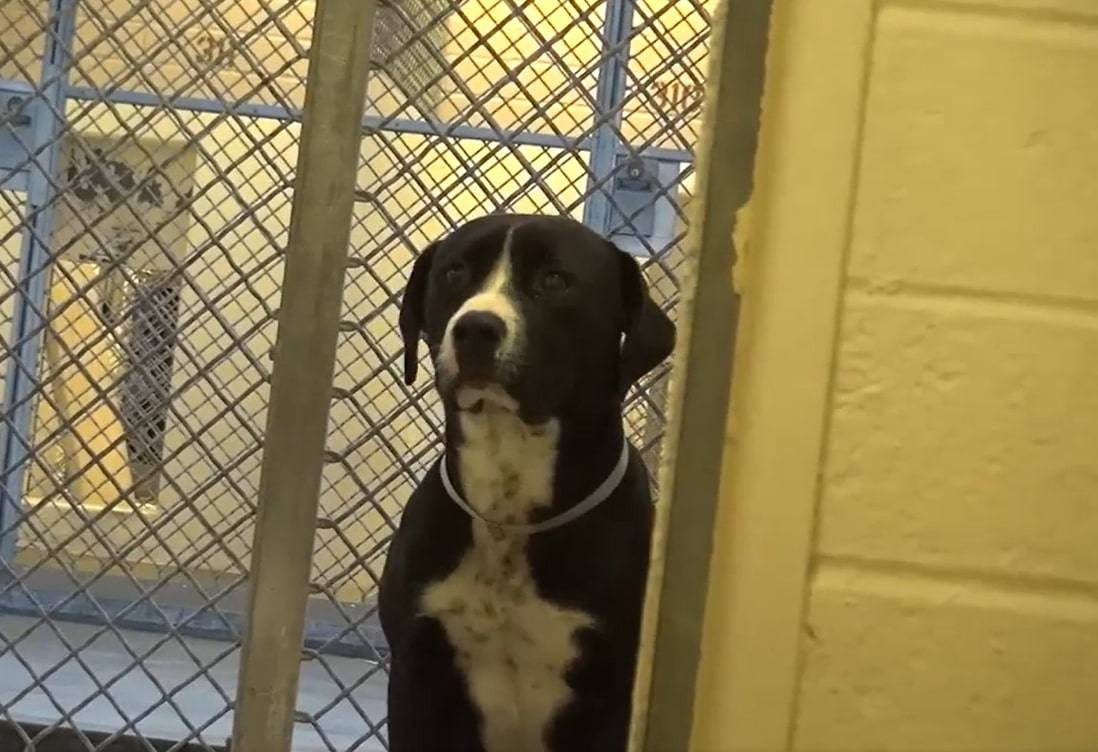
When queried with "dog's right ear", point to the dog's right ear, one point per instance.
{"points": [[413, 311]]}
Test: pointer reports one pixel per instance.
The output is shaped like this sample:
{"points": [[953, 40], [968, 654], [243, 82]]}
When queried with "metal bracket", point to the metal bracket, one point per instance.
{"points": [[16, 132], [636, 188], [642, 215], [13, 113]]}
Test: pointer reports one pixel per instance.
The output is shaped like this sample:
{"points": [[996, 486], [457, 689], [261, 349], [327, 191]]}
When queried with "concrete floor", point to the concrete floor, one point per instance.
{"points": [[133, 692]]}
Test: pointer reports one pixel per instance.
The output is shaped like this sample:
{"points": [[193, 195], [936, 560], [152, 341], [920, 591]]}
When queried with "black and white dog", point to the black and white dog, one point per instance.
{"points": [[512, 595]]}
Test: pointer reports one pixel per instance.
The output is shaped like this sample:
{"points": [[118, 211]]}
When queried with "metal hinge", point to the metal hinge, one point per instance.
{"points": [[13, 112]]}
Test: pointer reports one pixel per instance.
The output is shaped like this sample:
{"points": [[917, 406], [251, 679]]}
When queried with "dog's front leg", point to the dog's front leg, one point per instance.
{"points": [[429, 706]]}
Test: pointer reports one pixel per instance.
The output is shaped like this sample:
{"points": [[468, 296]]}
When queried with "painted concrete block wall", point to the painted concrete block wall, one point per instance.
{"points": [[906, 548], [953, 600]]}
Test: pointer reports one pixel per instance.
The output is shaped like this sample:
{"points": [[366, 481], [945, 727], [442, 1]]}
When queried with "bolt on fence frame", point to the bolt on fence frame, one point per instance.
{"points": [[301, 382]]}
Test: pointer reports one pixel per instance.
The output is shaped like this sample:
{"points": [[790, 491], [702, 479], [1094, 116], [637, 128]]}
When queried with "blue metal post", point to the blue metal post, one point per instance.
{"points": [[609, 96], [28, 322]]}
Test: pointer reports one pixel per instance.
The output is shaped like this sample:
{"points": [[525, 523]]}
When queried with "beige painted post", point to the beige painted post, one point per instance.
{"points": [[301, 385], [678, 585]]}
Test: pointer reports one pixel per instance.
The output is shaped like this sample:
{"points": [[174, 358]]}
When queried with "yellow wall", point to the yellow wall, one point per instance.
{"points": [[906, 555]]}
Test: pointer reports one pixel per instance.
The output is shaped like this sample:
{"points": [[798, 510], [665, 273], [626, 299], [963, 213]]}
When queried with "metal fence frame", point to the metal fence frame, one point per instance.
{"points": [[602, 142], [604, 146], [20, 385]]}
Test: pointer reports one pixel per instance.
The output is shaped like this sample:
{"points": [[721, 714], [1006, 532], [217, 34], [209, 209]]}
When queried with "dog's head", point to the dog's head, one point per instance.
{"points": [[538, 311]]}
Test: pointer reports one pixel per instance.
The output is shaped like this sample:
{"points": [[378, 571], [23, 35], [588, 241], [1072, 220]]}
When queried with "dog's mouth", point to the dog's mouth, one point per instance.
{"points": [[475, 395]]}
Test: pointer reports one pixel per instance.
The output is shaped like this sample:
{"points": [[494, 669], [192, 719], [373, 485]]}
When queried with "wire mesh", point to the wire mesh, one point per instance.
{"points": [[147, 152], [529, 74], [142, 243]]}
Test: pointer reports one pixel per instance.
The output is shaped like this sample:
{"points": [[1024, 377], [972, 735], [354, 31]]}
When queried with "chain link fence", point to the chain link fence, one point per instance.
{"points": [[147, 153]]}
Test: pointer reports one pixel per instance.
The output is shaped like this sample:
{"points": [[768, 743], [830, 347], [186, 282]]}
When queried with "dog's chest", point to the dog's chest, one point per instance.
{"points": [[513, 646]]}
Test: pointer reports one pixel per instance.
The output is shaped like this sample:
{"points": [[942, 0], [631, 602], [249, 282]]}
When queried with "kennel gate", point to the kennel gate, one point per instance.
{"points": [[147, 152]]}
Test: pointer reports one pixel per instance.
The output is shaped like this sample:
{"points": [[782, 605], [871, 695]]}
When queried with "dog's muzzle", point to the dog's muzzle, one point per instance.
{"points": [[477, 337]]}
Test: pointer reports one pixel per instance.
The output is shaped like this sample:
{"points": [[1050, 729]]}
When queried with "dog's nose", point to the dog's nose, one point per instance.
{"points": [[477, 338], [480, 330]]}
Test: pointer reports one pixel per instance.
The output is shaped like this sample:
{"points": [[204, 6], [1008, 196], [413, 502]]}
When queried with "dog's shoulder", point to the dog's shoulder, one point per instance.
{"points": [[429, 542]]}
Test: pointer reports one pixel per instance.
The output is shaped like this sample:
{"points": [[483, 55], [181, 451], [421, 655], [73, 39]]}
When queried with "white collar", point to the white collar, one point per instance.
{"points": [[596, 497]]}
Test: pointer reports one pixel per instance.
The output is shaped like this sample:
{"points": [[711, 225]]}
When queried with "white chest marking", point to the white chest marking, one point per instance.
{"points": [[513, 646]]}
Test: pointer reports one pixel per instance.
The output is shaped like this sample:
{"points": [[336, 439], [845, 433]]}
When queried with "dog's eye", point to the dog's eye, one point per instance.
{"points": [[553, 282], [456, 276]]}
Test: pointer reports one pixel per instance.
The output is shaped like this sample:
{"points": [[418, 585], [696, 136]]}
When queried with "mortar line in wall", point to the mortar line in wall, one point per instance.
{"points": [[862, 569], [985, 8], [1076, 311], [867, 56]]}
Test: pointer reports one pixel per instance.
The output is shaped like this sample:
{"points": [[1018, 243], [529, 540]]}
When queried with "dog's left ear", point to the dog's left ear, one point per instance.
{"points": [[649, 333], [413, 311]]}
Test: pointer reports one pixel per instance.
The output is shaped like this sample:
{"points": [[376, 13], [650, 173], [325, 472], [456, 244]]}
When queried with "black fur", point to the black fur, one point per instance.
{"points": [[584, 348]]}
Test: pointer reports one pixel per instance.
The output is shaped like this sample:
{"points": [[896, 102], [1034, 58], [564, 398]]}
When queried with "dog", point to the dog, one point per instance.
{"points": [[512, 594]]}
